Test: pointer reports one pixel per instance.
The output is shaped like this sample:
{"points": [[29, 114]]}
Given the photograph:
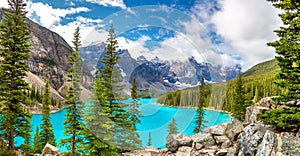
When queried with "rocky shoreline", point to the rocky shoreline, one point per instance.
{"points": [[250, 138]]}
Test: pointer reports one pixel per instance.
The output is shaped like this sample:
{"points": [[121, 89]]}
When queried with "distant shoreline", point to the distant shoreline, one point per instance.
{"points": [[207, 108], [51, 112]]}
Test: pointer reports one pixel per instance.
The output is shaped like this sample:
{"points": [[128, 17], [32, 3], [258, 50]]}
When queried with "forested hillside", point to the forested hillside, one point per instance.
{"points": [[258, 82]]}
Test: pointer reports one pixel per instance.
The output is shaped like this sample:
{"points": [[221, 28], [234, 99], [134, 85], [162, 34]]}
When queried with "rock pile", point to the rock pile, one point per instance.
{"points": [[251, 138]]}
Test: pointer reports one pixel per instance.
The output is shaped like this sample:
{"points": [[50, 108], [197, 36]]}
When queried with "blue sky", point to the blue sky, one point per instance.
{"points": [[223, 32]]}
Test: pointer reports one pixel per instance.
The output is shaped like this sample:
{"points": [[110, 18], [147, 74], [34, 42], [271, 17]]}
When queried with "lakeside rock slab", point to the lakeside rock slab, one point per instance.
{"points": [[218, 129], [205, 139], [175, 141]]}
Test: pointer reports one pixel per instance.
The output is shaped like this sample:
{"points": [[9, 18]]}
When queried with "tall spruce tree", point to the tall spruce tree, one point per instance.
{"points": [[288, 58], [112, 78], [36, 142], [14, 53], [73, 124], [46, 133], [239, 99], [135, 114], [200, 111], [99, 132], [172, 128]]}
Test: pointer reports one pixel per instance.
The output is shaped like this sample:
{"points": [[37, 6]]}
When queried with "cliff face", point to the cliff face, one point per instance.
{"points": [[49, 56]]}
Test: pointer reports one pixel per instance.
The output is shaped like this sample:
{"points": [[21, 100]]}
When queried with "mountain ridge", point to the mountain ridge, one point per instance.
{"points": [[49, 60]]}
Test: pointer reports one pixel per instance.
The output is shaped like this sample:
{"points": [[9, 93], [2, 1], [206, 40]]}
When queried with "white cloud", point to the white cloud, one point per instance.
{"points": [[247, 26], [4, 4], [48, 16], [113, 3], [87, 30]]}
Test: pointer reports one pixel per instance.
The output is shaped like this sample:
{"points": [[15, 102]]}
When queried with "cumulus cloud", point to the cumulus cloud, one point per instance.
{"points": [[247, 26], [113, 3], [48, 16], [87, 27]]}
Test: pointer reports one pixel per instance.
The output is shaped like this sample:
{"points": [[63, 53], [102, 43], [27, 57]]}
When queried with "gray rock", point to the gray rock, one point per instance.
{"points": [[250, 139], [138, 153], [208, 152], [251, 113], [233, 129], [197, 146], [184, 151], [151, 149], [172, 144], [226, 144], [221, 139], [268, 146], [266, 102], [174, 141], [184, 140], [205, 139], [222, 152], [218, 129], [232, 151], [290, 143]]}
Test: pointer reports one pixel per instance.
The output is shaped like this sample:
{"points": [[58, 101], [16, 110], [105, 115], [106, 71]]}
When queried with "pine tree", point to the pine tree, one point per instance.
{"points": [[149, 142], [46, 133], [256, 96], [14, 53], [99, 132], [36, 142], [111, 75], [135, 114], [200, 111], [73, 124], [172, 128], [239, 100], [288, 57]]}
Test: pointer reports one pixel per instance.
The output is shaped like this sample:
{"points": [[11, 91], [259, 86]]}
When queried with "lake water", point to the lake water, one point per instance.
{"points": [[155, 120]]}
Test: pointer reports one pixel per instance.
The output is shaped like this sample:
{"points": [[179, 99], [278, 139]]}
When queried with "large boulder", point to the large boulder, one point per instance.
{"points": [[268, 146], [175, 141], [205, 139], [218, 129], [289, 143], [252, 111], [172, 144], [250, 139], [221, 139], [233, 129]]}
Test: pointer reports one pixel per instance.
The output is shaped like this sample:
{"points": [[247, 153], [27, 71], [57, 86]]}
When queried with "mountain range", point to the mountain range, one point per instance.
{"points": [[166, 75], [49, 60]]}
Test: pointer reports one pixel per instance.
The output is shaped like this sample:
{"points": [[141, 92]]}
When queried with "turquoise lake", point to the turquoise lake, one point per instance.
{"points": [[155, 120]]}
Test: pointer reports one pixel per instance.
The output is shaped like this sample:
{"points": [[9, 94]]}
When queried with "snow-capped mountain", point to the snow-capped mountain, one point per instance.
{"points": [[171, 75]]}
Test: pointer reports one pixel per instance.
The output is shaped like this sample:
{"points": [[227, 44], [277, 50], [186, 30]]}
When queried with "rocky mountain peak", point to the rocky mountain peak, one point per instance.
{"points": [[49, 56]]}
